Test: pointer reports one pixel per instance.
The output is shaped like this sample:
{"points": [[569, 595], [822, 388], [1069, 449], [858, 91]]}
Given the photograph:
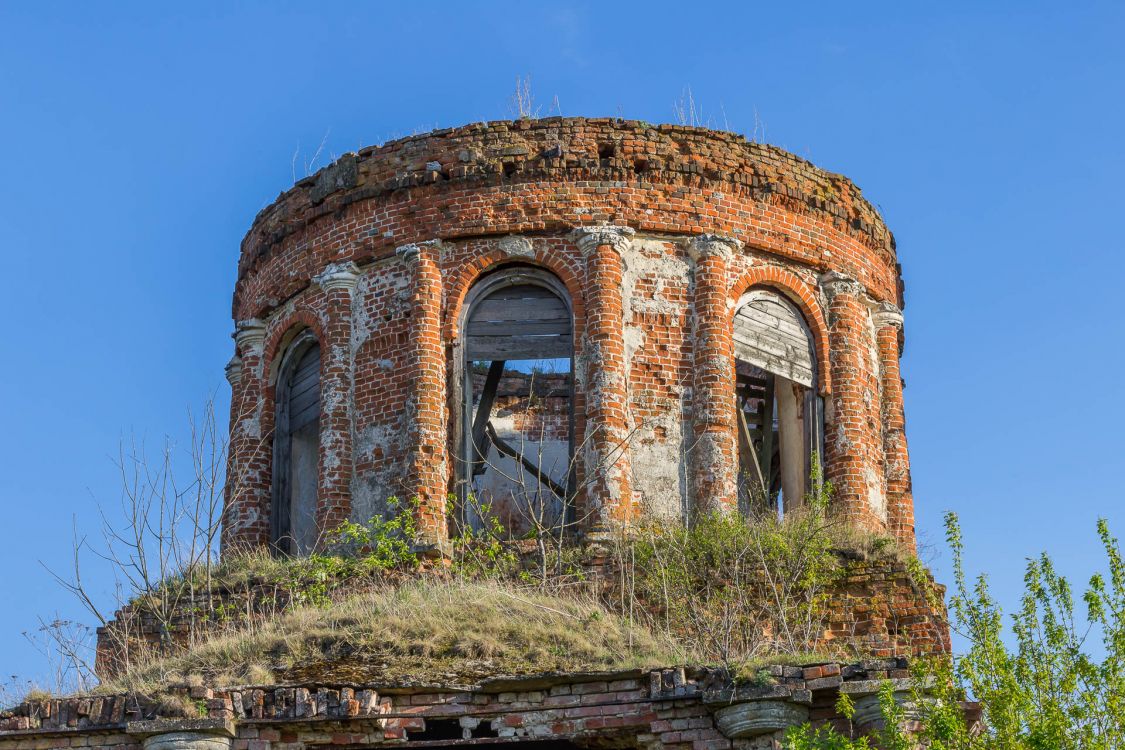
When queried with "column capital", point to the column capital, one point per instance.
{"points": [[234, 371], [590, 239], [249, 336], [342, 275], [834, 283], [412, 251], [885, 314], [707, 245]]}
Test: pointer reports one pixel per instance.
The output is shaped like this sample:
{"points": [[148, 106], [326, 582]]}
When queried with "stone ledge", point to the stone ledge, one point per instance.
{"points": [[147, 728]]}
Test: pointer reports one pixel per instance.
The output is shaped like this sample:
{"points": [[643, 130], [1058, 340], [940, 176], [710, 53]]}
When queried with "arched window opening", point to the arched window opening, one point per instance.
{"points": [[778, 412], [517, 403], [296, 452]]}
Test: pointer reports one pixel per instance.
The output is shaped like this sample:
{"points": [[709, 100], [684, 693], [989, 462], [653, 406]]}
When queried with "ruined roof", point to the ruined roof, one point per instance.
{"points": [[611, 152]]}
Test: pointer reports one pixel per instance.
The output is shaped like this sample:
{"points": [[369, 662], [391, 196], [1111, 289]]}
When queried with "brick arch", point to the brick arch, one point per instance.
{"points": [[272, 348], [482, 264], [305, 318], [800, 294]]}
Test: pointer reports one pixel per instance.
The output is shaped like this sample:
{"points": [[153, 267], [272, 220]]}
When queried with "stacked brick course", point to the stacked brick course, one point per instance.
{"points": [[655, 233], [674, 709]]}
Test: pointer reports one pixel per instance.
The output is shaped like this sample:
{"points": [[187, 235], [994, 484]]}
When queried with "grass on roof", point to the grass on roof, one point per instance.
{"points": [[426, 630]]}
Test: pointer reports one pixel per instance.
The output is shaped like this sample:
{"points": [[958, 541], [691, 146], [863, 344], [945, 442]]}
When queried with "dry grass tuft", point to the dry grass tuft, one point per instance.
{"points": [[426, 630]]}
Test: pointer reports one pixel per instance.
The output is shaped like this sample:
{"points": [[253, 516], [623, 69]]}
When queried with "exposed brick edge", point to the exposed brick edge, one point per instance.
{"points": [[309, 199]]}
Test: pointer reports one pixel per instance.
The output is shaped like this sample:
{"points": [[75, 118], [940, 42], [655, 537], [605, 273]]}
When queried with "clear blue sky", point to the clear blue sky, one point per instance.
{"points": [[138, 142]]}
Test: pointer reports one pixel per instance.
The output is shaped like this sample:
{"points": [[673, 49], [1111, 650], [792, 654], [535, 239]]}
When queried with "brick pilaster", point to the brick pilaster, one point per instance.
{"points": [[247, 490], [712, 453], [334, 498], [608, 497], [426, 418], [896, 458], [854, 444]]}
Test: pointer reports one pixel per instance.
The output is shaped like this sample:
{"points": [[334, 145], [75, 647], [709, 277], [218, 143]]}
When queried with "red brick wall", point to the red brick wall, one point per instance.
{"points": [[652, 313]]}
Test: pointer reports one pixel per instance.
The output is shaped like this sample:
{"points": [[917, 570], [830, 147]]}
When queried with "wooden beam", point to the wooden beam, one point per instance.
{"points": [[528, 464], [484, 413]]}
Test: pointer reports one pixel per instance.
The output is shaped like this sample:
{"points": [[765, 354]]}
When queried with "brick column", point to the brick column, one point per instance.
{"points": [[607, 468], [853, 442], [334, 498], [427, 476], [896, 458], [247, 490], [712, 454]]}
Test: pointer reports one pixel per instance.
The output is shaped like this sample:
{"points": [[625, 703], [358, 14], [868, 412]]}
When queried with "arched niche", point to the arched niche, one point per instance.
{"points": [[516, 442], [296, 448], [779, 414]]}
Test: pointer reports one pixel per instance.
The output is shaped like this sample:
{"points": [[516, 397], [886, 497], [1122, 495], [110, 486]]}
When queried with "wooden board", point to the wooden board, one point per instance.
{"points": [[524, 321], [770, 334], [304, 391]]}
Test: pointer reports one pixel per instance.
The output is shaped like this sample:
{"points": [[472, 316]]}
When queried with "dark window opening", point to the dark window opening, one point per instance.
{"points": [[517, 404], [779, 416], [439, 729], [296, 449]]}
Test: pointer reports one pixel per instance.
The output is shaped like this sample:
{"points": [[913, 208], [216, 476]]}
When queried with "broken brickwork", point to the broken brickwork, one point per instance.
{"points": [[661, 709], [878, 608], [652, 235]]}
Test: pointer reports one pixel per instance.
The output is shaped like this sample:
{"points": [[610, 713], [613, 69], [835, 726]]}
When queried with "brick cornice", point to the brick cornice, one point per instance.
{"points": [[513, 152]]}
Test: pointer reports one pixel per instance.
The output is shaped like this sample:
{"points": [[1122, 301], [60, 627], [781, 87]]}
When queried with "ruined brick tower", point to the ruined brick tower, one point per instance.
{"points": [[552, 325], [564, 321]]}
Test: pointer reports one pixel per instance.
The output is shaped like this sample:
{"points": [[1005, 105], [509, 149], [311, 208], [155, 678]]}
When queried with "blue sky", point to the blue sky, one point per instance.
{"points": [[138, 142]]}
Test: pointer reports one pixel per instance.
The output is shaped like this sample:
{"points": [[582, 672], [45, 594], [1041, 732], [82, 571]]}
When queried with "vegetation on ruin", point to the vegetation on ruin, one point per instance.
{"points": [[423, 630], [725, 590], [1054, 680]]}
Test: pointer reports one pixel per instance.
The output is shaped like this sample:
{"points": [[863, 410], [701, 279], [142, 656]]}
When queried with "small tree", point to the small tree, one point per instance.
{"points": [[1059, 686], [160, 545]]}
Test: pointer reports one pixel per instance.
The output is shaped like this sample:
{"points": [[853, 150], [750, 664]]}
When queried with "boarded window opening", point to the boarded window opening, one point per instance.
{"points": [[779, 416], [297, 449], [517, 404]]}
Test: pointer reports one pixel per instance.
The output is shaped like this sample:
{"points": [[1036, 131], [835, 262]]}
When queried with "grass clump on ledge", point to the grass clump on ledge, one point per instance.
{"points": [[424, 630]]}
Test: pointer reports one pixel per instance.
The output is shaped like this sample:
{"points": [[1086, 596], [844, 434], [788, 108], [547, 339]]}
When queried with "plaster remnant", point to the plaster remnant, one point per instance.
{"points": [[517, 247]]}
